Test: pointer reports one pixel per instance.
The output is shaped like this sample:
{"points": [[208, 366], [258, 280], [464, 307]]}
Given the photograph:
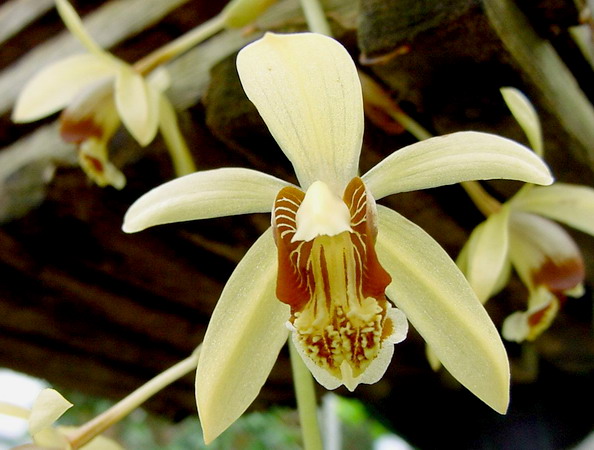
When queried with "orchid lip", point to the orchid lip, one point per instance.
{"points": [[342, 324]]}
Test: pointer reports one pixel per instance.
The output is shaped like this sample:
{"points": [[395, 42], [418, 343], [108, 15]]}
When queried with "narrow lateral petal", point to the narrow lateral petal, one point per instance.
{"points": [[306, 89], [525, 115], [454, 158], [487, 254], [243, 339], [55, 86], [440, 304], [76, 27], [48, 407], [570, 204], [203, 195], [543, 253], [137, 105]]}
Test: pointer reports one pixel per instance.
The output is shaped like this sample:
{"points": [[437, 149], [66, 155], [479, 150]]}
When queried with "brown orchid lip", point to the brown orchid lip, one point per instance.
{"points": [[94, 162], [334, 284], [78, 131], [560, 277]]}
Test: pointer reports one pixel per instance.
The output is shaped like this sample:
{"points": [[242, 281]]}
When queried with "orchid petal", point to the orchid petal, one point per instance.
{"points": [[487, 254], [542, 252], [48, 407], [243, 340], [305, 87], [204, 195], [436, 298], [50, 438], [55, 86], [137, 104], [452, 159], [525, 115], [76, 27], [504, 275], [570, 204]]}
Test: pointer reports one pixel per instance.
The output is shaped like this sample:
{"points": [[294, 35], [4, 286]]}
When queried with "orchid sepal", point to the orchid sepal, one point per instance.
{"points": [[454, 158], [202, 195], [316, 120], [245, 334], [437, 300]]}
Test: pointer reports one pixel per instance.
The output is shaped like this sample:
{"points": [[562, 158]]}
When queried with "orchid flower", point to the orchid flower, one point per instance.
{"points": [[98, 90], [520, 234], [337, 255], [49, 406]]}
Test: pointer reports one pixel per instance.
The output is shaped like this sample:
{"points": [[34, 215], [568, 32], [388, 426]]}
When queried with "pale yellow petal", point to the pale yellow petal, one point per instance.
{"points": [[488, 254], [137, 104], [452, 159], [48, 407], [526, 116], [203, 195], [306, 89], [570, 204], [76, 27], [243, 339], [50, 439], [55, 86], [440, 304]]}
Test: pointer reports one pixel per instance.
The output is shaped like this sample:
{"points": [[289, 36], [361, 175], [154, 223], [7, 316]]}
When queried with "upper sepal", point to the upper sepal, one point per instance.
{"points": [[305, 87]]}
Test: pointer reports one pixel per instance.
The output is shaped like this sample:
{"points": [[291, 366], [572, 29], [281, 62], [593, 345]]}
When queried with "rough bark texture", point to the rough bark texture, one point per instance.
{"points": [[88, 307]]}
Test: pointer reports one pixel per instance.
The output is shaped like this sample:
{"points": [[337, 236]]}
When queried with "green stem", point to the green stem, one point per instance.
{"points": [[306, 401], [481, 199], [410, 125], [102, 422], [183, 164], [180, 45], [315, 17]]}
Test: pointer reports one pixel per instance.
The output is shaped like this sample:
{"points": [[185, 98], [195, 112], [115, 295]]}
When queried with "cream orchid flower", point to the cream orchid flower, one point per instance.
{"points": [[337, 254], [97, 89], [49, 406], [544, 255]]}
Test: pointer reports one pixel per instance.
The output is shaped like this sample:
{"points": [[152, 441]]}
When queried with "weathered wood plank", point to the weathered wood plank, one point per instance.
{"points": [[17, 14]]}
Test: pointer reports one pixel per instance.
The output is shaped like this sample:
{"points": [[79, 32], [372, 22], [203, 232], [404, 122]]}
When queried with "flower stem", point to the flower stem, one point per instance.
{"points": [[306, 401], [180, 45], [315, 17], [376, 95], [481, 199], [179, 152], [103, 421]]}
